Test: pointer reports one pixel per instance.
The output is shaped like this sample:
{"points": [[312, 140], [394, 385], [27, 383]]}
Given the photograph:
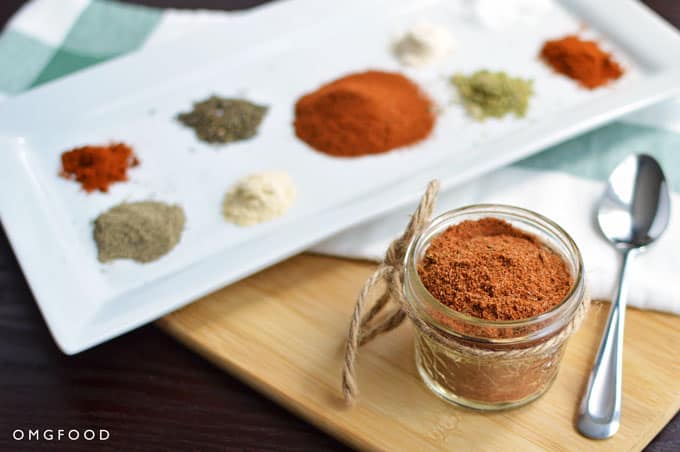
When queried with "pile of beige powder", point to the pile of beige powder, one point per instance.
{"points": [[258, 198]]}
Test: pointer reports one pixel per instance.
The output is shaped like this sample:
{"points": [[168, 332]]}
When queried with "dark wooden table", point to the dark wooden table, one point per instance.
{"points": [[148, 391]]}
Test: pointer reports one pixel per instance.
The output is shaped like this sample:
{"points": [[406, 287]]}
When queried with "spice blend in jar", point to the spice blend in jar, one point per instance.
{"points": [[489, 269], [581, 60], [222, 120], [97, 167], [365, 113], [494, 304]]}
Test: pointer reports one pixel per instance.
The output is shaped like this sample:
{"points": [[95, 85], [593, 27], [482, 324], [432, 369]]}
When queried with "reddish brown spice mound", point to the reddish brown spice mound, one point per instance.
{"points": [[492, 270], [581, 60], [96, 167], [364, 113]]}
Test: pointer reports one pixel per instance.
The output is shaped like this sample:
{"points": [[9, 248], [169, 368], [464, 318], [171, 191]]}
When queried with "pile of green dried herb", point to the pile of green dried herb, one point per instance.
{"points": [[143, 231], [493, 94], [221, 120]]}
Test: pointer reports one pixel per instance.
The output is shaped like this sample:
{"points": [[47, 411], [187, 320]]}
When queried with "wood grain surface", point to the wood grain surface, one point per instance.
{"points": [[149, 391], [283, 331]]}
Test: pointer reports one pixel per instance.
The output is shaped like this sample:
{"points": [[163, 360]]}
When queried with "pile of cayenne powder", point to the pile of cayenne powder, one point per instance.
{"points": [[489, 269], [97, 167], [581, 60]]}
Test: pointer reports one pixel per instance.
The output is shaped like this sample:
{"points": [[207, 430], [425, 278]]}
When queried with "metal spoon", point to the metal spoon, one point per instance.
{"points": [[633, 212]]}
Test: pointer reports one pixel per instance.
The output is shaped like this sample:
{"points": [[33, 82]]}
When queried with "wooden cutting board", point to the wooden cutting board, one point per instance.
{"points": [[282, 331]]}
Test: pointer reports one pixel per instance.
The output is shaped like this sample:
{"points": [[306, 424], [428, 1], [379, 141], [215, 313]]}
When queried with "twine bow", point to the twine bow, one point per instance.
{"points": [[391, 270]]}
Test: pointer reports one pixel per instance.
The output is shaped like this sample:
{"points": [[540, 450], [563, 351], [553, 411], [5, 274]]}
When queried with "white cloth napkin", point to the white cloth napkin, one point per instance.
{"points": [[566, 199]]}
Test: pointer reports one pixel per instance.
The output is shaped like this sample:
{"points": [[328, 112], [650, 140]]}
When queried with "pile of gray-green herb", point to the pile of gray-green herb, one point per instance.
{"points": [[222, 120], [143, 231], [493, 94]]}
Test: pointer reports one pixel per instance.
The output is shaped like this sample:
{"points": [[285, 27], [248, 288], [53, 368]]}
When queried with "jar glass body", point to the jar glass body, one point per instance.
{"points": [[483, 364]]}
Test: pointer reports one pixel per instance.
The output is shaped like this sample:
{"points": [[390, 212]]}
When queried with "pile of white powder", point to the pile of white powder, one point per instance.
{"points": [[503, 14], [423, 44]]}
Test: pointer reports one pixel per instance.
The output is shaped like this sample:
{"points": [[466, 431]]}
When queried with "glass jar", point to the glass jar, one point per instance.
{"points": [[483, 364]]}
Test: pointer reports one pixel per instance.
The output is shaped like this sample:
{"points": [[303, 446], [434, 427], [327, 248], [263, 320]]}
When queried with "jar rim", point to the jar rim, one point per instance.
{"points": [[410, 265]]}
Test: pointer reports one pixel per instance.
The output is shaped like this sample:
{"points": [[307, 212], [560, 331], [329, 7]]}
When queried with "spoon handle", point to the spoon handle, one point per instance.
{"points": [[600, 410]]}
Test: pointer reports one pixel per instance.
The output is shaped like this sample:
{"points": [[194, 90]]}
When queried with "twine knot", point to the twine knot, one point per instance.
{"points": [[390, 271]]}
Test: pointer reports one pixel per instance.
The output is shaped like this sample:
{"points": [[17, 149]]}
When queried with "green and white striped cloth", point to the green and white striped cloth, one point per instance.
{"points": [[48, 39]]}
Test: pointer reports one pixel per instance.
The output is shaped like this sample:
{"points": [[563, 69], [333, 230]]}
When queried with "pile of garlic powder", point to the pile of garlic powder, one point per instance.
{"points": [[258, 198]]}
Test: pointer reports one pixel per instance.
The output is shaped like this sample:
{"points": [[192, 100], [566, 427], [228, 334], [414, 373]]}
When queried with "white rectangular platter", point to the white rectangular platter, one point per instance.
{"points": [[272, 56]]}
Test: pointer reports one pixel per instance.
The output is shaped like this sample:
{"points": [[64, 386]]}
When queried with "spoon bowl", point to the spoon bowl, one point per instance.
{"points": [[634, 210]]}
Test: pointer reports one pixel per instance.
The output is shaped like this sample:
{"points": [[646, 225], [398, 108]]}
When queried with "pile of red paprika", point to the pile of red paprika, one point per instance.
{"points": [[364, 113]]}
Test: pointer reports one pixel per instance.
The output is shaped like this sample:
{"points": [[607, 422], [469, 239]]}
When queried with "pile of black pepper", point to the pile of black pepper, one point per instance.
{"points": [[224, 120]]}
